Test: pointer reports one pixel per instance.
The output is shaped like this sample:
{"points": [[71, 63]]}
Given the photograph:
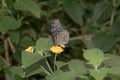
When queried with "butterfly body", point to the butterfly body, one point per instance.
{"points": [[60, 36]]}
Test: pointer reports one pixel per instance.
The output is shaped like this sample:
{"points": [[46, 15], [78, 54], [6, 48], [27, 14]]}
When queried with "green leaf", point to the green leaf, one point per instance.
{"points": [[100, 74], [115, 29], [60, 64], [8, 23], [8, 74], [77, 66], [15, 37], [32, 70], [4, 11], [117, 19], [61, 76], [74, 10], [113, 60], [102, 11], [26, 41], [29, 58], [94, 56], [11, 74], [17, 56], [104, 41], [31, 32], [43, 44], [114, 70], [28, 5], [17, 70]]}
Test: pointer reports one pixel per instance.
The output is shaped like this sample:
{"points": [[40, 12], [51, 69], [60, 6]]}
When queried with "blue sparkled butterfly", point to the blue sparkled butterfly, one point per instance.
{"points": [[60, 36]]}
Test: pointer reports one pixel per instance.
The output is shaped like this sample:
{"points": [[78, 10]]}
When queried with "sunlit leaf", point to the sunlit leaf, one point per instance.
{"points": [[114, 70], [113, 60], [94, 56], [100, 74], [77, 66]]}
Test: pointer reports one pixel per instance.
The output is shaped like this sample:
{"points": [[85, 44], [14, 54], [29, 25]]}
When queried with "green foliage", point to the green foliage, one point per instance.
{"points": [[28, 5], [96, 53], [91, 54], [61, 75], [8, 23], [17, 70], [104, 41], [99, 75], [29, 58], [102, 11], [114, 70], [46, 44], [74, 10], [115, 29], [77, 67], [113, 60]]}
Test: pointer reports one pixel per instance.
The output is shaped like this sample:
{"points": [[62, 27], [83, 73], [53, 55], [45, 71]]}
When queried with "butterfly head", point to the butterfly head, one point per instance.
{"points": [[55, 23]]}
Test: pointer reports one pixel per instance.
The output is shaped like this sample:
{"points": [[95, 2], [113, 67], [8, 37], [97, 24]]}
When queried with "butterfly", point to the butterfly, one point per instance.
{"points": [[60, 36]]}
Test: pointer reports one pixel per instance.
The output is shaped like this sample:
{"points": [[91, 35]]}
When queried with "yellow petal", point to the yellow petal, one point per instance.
{"points": [[29, 49], [56, 49]]}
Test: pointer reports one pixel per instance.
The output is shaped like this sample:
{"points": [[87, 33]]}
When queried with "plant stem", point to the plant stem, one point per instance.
{"points": [[49, 66], [3, 4], [11, 45], [6, 51], [82, 37], [113, 12], [45, 70], [55, 61], [3, 59]]}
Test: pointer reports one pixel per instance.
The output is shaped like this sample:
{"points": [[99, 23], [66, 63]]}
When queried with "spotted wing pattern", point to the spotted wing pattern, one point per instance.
{"points": [[60, 36]]}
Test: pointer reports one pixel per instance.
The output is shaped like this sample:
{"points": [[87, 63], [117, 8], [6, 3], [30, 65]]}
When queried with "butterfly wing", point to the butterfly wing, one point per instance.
{"points": [[60, 36], [63, 37]]}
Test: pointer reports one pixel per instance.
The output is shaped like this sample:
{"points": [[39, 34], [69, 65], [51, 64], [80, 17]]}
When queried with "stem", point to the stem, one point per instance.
{"points": [[45, 70], [81, 37], [11, 45], [3, 4], [55, 61], [3, 59], [113, 13], [6, 51], [49, 66]]}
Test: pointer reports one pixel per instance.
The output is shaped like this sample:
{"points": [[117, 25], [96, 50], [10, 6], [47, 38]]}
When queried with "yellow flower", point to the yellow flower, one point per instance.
{"points": [[56, 49], [29, 49]]}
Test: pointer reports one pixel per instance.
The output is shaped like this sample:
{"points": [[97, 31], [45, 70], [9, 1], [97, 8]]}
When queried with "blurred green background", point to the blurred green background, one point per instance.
{"points": [[91, 24]]}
